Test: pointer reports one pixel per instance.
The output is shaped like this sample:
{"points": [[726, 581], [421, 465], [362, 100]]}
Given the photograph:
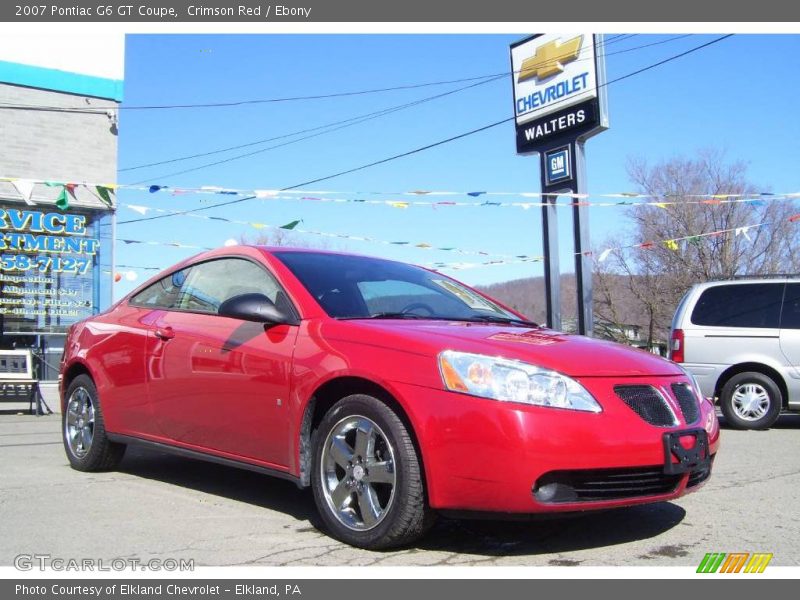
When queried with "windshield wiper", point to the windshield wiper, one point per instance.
{"points": [[504, 320], [388, 315], [470, 319]]}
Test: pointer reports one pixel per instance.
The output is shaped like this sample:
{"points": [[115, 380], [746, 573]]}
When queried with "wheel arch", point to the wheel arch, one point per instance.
{"points": [[756, 367], [68, 376], [323, 399]]}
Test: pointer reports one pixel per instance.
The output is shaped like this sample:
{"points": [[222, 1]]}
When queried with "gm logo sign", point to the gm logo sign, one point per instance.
{"points": [[736, 562], [558, 165]]}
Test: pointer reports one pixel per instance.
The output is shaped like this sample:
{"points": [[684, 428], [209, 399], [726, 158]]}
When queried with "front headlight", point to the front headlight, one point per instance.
{"points": [[512, 381]]}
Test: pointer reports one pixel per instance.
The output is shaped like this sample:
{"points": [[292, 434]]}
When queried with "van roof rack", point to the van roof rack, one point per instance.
{"points": [[769, 276]]}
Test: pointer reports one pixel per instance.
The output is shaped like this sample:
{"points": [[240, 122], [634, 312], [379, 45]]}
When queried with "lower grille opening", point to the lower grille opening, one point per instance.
{"points": [[699, 476], [604, 484]]}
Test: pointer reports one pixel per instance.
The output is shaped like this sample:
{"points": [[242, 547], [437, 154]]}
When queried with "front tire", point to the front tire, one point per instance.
{"points": [[85, 441], [751, 400], [367, 478]]}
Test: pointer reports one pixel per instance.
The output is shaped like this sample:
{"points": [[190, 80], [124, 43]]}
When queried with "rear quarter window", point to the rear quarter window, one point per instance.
{"points": [[755, 305]]}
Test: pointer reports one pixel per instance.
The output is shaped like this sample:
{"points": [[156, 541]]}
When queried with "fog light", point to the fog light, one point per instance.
{"points": [[554, 492]]}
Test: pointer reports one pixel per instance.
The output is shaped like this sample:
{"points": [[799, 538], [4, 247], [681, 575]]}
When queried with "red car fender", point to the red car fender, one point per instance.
{"points": [[309, 377]]}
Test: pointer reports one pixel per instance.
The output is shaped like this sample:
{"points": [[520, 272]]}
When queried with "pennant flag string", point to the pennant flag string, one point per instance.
{"points": [[495, 259], [293, 226], [671, 244], [25, 186]]}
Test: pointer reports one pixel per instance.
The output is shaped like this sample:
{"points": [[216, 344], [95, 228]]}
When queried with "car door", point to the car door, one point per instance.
{"points": [[217, 383], [790, 326], [126, 354]]}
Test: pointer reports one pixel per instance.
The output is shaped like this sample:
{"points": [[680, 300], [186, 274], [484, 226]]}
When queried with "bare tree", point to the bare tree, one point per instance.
{"points": [[273, 237], [285, 238], [760, 239]]}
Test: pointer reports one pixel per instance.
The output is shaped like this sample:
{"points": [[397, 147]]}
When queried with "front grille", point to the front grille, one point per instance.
{"points": [[604, 484], [687, 401], [646, 402]]}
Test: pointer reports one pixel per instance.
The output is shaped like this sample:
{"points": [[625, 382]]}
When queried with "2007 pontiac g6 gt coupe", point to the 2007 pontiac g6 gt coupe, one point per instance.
{"points": [[393, 391]]}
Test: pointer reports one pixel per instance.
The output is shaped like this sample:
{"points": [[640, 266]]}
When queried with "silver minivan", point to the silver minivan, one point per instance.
{"points": [[741, 341]]}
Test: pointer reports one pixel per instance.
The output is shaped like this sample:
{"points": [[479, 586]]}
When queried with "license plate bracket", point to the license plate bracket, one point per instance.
{"points": [[688, 459]]}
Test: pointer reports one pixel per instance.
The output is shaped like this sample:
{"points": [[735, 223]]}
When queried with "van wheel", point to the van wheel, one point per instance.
{"points": [[751, 400], [367, 478]]}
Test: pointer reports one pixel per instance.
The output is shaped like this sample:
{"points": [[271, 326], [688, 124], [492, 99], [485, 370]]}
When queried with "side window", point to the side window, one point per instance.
{"points": [[209, 284], [163, 293], [741, 305], [790, 317]]}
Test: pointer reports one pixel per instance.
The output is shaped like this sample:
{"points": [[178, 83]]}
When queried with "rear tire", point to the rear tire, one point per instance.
{"points": [[85, 441], [366, 477], [751, 400]]}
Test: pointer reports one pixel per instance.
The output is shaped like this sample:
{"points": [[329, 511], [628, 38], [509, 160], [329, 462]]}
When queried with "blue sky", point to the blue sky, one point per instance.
{"points": [[739, 95]]}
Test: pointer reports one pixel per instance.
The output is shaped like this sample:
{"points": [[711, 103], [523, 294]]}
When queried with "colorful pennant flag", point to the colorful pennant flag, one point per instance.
{"points": [[62, 202], [24, 188]]}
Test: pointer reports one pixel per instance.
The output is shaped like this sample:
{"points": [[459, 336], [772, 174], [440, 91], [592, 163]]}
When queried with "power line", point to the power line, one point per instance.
{"points": [[495, 124], [102, 109], [432, 145], [349, 122], [336, 125]]}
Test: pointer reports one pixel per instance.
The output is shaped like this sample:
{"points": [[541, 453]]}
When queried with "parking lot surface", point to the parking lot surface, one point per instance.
{"points": [[161, 506]]}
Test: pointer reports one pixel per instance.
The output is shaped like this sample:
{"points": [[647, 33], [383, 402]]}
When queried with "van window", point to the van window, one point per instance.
{"points": [[743, 305], [790, 317]]}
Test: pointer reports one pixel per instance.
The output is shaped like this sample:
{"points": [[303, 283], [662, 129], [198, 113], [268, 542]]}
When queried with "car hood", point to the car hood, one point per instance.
{"points": [[573, 355]]}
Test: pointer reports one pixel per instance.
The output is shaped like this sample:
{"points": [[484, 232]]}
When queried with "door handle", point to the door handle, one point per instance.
{"points": [[165, 333]]}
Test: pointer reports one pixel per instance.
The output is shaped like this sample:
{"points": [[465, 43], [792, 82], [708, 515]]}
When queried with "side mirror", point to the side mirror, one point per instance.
{"points": [[253, 307]]}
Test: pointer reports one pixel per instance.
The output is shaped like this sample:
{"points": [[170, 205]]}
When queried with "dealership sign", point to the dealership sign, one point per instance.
{"points": [[559, 89]]}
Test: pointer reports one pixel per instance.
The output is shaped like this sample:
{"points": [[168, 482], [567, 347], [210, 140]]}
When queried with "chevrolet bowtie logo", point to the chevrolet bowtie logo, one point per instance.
{"points": [[550, 59]]}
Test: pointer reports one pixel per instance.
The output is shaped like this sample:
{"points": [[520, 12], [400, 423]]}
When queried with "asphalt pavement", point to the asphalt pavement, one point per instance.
{"points": [[162, 506]]}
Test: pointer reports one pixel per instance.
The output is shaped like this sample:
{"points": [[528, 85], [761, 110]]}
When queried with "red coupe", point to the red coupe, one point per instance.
{"points": [[393, 391]]}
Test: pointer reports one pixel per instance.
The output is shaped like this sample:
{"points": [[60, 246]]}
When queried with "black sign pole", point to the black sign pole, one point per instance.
{"points": [[563, 171], [580, 228], [552, 272]]}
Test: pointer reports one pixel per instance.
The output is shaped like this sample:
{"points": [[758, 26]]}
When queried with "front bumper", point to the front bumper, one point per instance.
{"points": [[485, 455]]}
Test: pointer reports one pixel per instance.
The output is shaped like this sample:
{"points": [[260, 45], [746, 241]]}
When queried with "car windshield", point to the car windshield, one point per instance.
{"points": [[357, 287]]}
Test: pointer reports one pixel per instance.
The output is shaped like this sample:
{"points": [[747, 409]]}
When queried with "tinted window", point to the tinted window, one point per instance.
{"points": [[209, 284], [163, 293], [743, 305], [396, 296], [790, 318], [361, 287]]}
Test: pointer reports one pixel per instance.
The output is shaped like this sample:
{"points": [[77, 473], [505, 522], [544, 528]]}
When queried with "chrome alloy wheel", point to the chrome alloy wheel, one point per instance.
{"points": [[358, 473], [79, 424], [750, 401]]}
